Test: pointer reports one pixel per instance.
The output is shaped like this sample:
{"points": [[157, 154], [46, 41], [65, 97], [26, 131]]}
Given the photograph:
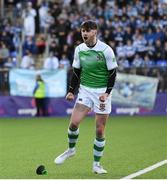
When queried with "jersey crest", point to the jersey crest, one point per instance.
{"points": [[99, 57]]}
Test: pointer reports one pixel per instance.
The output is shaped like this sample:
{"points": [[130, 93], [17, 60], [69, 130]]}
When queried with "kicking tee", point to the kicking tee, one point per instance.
{"points": [[94, 64]]}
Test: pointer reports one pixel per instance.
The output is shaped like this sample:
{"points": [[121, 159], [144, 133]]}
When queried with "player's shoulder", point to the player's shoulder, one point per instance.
{"points": [[104, 46], [101, 43], [80, 46]]}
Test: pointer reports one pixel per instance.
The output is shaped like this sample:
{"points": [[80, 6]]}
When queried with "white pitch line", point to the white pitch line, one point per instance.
{"points": [[143, 171]]}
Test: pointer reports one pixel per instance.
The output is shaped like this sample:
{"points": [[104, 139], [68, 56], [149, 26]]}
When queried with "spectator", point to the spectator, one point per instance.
{"points": [[65, 62], [6, 37], [49, 20], [159, 34], [120, 50], [62, 31], [4, 53], [11, 63], [148, 63], [40, 97], [53, 47], [51, 62], [164, 52], [29, 45], [127, 34], [29, 20], [46, 18], [143, 22], [27, 61], [119, 34], [130, 51], [159, 53], [137, 62], [140, 45], [151, 50], [40, 44], [123, 64], [43, 9], [161, 84], [150, 36]]}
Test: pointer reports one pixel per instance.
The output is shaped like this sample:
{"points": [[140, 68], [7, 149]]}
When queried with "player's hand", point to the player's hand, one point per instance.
{"points": [[103, 97], [70, 96]]}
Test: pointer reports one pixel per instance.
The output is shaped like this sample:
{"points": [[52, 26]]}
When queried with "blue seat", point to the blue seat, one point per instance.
{"points": [[13, 54], [161, 63]]}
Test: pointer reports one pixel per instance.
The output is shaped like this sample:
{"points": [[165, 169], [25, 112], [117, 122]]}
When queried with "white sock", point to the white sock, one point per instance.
{"points": [[95, 163], [72, 149]]}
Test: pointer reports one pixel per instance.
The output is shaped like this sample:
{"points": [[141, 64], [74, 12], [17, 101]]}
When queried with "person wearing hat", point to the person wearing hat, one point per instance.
{"points": [[39, 93], [94, 69]]}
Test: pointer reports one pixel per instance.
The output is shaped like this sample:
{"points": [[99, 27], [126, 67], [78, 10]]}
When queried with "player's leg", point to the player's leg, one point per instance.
{"points": [[99, 142], [79, 112], [102, 110]]}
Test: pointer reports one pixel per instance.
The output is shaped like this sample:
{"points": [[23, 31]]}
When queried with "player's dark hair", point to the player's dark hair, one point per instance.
{"points": [[89, 24]]}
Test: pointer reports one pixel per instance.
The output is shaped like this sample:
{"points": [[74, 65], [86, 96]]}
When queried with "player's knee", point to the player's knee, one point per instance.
{"points": [[73, 126]]}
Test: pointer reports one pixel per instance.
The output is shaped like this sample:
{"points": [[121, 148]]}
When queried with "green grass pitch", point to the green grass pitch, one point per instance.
{"points": [[132, 143]]}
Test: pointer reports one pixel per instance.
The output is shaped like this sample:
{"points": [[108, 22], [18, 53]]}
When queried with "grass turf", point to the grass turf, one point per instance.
{"points": [[133, 143]]}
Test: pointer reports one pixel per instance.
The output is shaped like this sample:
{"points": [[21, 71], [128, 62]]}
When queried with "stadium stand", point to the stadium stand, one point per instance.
{"points": [[136, 30]]}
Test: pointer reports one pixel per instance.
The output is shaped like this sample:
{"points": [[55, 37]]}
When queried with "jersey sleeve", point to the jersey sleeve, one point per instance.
{"points": [[76, 61], [110, 58]]}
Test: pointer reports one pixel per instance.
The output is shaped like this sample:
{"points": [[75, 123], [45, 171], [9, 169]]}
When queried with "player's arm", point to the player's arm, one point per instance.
{"points": [[110, 84], [111, 80], [73, 84], [74, 80], [112, 68]]}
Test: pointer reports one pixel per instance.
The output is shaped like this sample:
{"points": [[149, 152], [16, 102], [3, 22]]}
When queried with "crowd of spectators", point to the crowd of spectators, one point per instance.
{"points": [[136, 30]]}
